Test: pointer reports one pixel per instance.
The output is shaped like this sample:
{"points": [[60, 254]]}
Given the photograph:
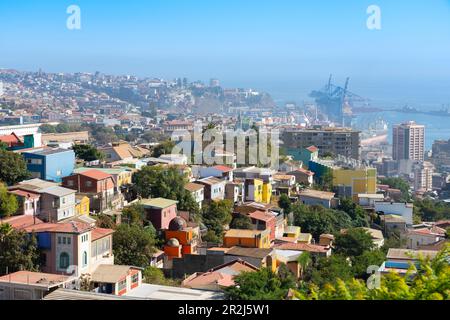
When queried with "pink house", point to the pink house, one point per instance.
{"points": [[160, 212], [29, 202]]}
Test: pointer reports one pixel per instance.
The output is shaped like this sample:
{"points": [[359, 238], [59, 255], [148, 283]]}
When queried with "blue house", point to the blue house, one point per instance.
{"points": [[50, 164]]}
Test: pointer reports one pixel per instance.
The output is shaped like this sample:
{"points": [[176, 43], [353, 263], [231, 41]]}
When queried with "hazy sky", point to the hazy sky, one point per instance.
{"points": [[268, 43]]}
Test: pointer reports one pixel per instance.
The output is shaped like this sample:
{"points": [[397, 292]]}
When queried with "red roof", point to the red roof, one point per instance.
{"points": [[68, 227], [25, 194], [96, 174], [312, 149], [260, 215], [11, 140], [21, 222], [307, 172], [223, 168], [99, 233]]}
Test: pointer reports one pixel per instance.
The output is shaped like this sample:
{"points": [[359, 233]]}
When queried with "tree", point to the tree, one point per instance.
{"points": [[355, 211], [8, 202], [430, 280], [133, 245], [328, 270], [153, 275], [401, 184], [241, 222], [47, 128], [285, 203], [13, 168], [353, 242], [134, 214], [160, 182], [164, 148], [88, 153], [260, 285], [106, 222], [318, 220], [216, 215], [18, 250], [3, 146]]}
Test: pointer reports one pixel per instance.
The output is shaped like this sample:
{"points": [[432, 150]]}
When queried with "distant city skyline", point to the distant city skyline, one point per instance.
{"points": [[286, 49]]}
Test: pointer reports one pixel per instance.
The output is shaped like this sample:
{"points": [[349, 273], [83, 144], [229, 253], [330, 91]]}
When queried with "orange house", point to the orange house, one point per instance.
{"points": [[247, 238], [180, 239]]}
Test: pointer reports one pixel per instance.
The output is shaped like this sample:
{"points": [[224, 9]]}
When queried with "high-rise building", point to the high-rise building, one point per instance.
{"points": [[329, 141], [423, 176], [409, 142]]}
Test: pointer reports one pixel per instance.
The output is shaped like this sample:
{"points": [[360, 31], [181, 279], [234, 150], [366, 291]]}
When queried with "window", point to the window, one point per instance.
{"points": [[59, 240], [64, 260], [64, 240], [135, 278], [70, 183], [69, 240], [58, 173], [85, 259], [122, 285], [88, 184]]}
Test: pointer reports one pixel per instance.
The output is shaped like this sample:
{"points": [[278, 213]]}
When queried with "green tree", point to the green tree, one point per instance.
{"points": [[106, 222], [216, 215], [133, 245], [327, 270], [18, 250], [318, 220], [88, 153], [285, 203], [134, 214], [160, 182], [260, 285], [13, 168], [353, 242], [164, 148], [398, 183], [355, 211], [241, 222], [8, 202], [47, 128], [3, 146], [153, 275]]}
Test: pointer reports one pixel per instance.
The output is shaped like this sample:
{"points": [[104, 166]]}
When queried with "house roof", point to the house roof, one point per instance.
{"points": [[25, 194], [237, 233], [221, 275], [160, 203], [46, 280], [75, 227], [192, 187], [312, 149], [95, 174], [224, 169], [106, 273], [11, 139], [99, 233], [302, 247], [304, 171], [75, 295], [323, 195], [405, 254], [58, 191], [262, 216], [248, 252], [21, 222], [211, 181]]}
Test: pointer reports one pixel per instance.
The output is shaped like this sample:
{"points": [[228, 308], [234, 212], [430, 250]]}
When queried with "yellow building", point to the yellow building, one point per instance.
{"points": [[122, 176], [351, 182], [82, 207], [254, 190], [267, 193], [247, 238]]}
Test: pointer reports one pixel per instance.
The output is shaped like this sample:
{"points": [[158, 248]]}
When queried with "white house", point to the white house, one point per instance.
{"points": [[401, 209]]}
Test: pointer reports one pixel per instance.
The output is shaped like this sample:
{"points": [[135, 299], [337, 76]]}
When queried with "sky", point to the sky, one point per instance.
{"points": [[288, 47]]}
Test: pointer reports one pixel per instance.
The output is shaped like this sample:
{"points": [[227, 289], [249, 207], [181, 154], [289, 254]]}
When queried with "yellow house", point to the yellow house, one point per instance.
{"points": [[247, 238], [82, 206], [254, 190], [267, 193], [356, 181], [292, 232]]}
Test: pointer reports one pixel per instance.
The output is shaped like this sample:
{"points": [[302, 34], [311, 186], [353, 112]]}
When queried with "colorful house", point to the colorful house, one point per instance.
{"points": [[160, 212], [187, 238], [50, 164], [247, 238], [82, 205], [254, 190], [116, 280]]}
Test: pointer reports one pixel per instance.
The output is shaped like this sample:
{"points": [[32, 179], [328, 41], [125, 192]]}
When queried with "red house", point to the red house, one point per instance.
{"points": [[100, 187], [160, 212], [264, 220]]}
